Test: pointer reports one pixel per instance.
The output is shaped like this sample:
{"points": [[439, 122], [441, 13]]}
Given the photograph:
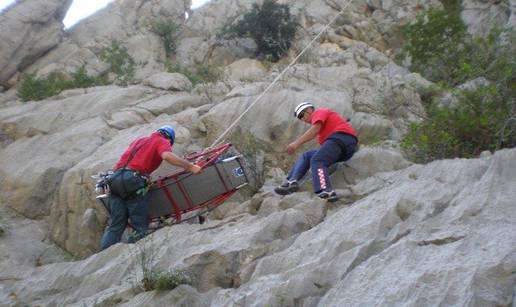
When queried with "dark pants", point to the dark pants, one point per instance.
{"points": [[135, 209], [337, 148]]}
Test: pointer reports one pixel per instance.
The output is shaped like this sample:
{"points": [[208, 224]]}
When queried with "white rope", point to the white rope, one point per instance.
{"points": [[280, 75]]}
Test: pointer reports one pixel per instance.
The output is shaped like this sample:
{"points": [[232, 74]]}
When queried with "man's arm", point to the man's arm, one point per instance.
{"points": [[307, 136], [177, 161]]}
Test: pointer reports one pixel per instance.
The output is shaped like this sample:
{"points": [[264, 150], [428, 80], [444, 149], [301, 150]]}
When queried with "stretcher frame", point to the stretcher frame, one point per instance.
{"points": [[205, 159]]}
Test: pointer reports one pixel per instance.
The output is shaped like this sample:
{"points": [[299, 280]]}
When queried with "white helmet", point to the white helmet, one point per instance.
{"points": [[301, 107]]}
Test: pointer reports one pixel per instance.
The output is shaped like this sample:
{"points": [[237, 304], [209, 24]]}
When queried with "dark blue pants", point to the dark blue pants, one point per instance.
{"points": [[135, 209], [337, 148]]}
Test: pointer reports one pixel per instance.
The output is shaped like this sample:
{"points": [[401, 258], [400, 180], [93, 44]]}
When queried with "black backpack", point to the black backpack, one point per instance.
{"points": [[126, 183]]}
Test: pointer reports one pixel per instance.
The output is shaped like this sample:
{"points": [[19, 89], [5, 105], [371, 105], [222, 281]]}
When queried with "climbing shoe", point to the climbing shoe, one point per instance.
{"points": [[287, 188], [330, 196]]}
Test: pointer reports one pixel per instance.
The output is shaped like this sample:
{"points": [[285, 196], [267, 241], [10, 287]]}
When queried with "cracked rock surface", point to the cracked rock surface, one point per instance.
{"points": [[441, 233]]}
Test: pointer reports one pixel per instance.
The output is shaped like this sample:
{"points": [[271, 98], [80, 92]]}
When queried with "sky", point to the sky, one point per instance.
{"points": [[83, 8]]}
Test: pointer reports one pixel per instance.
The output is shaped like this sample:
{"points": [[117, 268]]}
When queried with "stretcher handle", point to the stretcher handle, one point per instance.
{"points": [[213, 153]]}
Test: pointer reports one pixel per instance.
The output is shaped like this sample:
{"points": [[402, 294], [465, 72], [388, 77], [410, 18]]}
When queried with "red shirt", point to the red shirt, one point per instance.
{"points": [[147, 153], [331, 122]]}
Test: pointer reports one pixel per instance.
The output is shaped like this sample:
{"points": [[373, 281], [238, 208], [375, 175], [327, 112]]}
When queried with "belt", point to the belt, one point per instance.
{"points": [[138, 173], [344, 133]]}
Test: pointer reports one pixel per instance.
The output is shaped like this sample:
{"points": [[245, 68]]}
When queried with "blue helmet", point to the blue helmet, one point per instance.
{"points": [[168, 132]]}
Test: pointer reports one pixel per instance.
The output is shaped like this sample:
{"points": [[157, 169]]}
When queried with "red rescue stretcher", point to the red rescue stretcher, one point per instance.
{"points": [[173, 196]]}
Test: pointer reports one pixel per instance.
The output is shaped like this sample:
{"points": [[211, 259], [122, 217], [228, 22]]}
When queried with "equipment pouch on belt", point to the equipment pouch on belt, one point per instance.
{"points": [[127, 184]]}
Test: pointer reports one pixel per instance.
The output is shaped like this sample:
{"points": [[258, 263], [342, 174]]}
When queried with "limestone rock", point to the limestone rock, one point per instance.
{"points": [[367, 162], [129, 23], [246, 70], [24, 244], [72, 128], [481, 15], [29, 29], [169, 81], [401, 234], [207, 20], [192, 50], [426, 227]]}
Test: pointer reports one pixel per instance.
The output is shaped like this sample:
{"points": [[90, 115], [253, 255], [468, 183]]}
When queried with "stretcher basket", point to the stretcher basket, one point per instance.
{"points": [[180, 194]]}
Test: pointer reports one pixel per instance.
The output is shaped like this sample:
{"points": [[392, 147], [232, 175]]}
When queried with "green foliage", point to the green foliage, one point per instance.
{"points": [[442, 51], [494, 58], [164, 280], [482, 119], [433, 43], [168, 31], [36, 89], [452, 6], [474, 124], [247, 145], [33, 88], [81, 79], [120, 62], [199, 73], [270, 25], [152, 278]]}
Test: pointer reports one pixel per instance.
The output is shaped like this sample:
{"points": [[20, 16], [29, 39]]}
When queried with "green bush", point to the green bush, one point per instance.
{"points": [[270, 25], [433, 42], [33, 88], [120, 62], [442, 51], [199, 73], [168, 31], [81, 79], [477, 122], [152, 278], [253, 151], [164, 280], [483, 119], [494, 58]]}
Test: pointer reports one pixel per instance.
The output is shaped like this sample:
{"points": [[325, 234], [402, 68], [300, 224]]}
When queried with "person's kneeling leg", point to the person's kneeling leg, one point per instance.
{"points": [[327, 155], [298, 171]]}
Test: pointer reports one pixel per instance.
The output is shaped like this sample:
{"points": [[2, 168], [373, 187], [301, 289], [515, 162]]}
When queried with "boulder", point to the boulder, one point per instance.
{"points": [[246, 70], [29, 29], [130, 24], [169, 81], [427, 227], [481, 15]]}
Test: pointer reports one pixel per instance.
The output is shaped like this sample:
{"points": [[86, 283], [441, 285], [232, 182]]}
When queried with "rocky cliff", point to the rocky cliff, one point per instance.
{"points": [[402, 234]]}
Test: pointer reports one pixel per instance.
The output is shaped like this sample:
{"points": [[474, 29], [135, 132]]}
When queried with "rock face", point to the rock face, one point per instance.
{"points": [[373, 22], [357, 81], [37, 185], [128, 22], [169, 81], [482, 15], [412, 236], [29, 29], [401, 234]]}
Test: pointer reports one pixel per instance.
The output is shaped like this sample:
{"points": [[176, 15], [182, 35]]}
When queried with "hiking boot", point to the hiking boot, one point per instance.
{"points": [[330, 196], [287, 188]]}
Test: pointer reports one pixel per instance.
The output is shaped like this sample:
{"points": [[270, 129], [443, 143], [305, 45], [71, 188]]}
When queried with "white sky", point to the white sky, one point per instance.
{"points": [[83, 8]]}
